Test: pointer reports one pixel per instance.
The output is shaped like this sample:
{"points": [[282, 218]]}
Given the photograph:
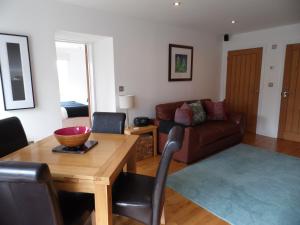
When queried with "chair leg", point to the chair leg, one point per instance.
{"points": [[163, 218]]}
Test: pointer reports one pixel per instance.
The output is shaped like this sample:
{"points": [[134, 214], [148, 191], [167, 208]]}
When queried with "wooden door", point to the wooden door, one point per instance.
{"points": [[242, 85], [289, 123]]}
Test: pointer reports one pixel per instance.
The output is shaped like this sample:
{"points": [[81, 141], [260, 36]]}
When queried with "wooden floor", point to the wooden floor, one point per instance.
{"points": [[179, 210], [279, 145]]}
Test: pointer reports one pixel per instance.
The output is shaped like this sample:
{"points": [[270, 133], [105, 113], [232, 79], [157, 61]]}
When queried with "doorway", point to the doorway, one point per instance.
{"points": [[73, 76], [243, 82], [289, 123]]}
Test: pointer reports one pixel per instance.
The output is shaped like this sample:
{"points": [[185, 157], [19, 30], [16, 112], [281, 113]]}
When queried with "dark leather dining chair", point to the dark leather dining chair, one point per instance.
{"points": [[109, 122], [28, 197], [142, 197], [12, 136]]}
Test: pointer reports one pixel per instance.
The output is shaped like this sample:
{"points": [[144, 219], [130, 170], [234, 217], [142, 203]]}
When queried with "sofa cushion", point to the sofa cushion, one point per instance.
{"points": [[215, 110], [199, 115], [212, 131], [167, 111], [184, 115]]}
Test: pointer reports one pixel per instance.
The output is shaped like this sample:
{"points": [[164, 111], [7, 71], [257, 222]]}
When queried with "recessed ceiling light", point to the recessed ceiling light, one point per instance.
{"points": [[177, 3], [233, 21]]}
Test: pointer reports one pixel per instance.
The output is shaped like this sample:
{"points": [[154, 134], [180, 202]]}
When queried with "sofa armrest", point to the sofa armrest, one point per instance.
{"points": [[164, 126], [239, 119], [183, 154], [190, 146], [156, 122]]}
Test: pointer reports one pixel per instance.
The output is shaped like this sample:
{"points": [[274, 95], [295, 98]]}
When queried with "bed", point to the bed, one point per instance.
{"points": [[74, 114], [74, 109]]}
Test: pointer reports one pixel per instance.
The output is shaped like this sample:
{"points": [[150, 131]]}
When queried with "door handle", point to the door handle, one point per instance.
{"points": [[285, 94]]}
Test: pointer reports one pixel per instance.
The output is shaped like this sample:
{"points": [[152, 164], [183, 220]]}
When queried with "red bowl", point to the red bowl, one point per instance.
{"points": [[72, 136]]}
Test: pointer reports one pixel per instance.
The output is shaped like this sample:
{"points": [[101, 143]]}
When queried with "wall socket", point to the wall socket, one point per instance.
{"points": [[121, 88]]}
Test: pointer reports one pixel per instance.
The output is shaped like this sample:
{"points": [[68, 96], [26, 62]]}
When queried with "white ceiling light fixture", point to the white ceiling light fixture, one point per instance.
{"points": [[177, 4], [233, 21]]}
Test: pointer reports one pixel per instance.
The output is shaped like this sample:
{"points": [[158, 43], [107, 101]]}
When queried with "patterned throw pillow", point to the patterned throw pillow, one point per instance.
{"points": [[199, 115], [215, 110], [184, 115]]}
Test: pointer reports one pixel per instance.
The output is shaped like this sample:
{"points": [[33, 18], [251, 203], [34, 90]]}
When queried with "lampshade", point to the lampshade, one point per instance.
{"points": [[126, 101]]}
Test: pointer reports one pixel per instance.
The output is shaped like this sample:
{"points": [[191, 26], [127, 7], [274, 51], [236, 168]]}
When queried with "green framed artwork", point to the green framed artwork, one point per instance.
{"points": [[180, 62]]}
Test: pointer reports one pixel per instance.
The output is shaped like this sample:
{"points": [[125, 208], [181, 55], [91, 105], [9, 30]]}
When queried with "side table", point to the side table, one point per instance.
{"points": [[143, 130]]}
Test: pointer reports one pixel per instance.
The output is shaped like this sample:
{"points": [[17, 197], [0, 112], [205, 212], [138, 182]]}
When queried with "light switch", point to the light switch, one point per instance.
{"points": [[274, 46], [121, 88]]}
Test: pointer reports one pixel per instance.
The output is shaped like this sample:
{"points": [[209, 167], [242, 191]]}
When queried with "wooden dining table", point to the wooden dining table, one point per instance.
{"points": [[92, 172]]}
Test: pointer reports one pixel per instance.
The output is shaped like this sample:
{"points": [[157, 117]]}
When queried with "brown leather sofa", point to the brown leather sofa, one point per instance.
{"points": [[201, 140]]}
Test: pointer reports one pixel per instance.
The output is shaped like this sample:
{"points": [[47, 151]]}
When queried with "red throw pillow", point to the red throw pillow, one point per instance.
{"points": [[215, 110], [184, 115]]}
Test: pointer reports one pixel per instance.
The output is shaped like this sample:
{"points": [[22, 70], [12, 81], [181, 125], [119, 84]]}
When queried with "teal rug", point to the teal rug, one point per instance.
{"points": [[244, 185]]}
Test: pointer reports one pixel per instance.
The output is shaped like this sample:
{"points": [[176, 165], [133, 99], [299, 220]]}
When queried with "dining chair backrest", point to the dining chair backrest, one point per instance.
{"points": [[173, 145], [27, 195], [12, 136], [108, 122]]}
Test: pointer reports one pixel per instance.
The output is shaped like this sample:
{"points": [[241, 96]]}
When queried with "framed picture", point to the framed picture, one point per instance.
{"points": [[15, 72], [180, 62]]}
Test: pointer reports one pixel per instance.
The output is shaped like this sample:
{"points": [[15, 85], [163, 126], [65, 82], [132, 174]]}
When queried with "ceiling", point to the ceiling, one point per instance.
{"points": [[212, 15]]}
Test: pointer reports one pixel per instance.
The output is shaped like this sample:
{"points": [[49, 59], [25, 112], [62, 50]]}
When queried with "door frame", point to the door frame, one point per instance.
{"points": [[89, 73]]}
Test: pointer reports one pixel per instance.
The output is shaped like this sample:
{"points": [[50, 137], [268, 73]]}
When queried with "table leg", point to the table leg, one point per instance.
{"points": [[103, 204], [155, 142], [131, 163]]}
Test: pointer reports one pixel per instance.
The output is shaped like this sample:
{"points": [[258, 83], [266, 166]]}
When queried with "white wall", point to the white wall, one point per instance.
{"points": [[140, 57], [104, 75], [73, 78], [270, 97]]}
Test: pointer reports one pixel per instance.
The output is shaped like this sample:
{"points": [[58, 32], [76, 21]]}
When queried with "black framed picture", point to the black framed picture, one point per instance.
{"points": [[15, 72], [180, 62]]}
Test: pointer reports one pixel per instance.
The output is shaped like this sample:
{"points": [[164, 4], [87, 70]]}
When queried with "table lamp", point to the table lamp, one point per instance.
{"points": [[126, 102]]}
